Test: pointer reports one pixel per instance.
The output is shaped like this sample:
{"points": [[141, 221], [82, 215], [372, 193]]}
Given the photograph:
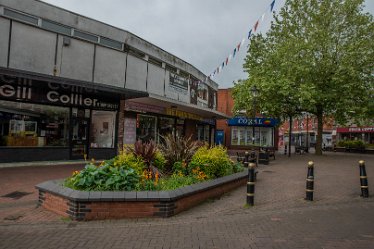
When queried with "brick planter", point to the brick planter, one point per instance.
{"points": [[96, 205]]}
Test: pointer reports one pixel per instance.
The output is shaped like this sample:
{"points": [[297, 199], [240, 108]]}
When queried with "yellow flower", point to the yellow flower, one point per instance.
{"points": [[76, 172]]}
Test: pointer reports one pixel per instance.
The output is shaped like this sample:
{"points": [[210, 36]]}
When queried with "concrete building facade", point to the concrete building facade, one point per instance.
{"points": [[73, 87]]}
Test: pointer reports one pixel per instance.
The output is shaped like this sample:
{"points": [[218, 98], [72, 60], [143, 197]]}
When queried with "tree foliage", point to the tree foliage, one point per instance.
{"points": [[317, 57]]}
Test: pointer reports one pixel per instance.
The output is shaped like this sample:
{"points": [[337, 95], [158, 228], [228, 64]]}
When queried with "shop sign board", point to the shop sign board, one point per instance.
{"points": [[259, 122], [181, 114], [28, 90], [178, 82], [355, 130]]}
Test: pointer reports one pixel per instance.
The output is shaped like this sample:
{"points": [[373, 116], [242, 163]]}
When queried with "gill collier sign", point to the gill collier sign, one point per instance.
{"points": [[244, 121], [27, 90]]}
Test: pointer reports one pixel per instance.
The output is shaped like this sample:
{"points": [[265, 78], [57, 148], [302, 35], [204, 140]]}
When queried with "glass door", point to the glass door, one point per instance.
{"points": [[79, 134]]}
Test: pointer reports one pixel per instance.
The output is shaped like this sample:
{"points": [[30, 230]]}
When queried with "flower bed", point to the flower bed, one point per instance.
{"points": [[95, 205], [144, 180]]}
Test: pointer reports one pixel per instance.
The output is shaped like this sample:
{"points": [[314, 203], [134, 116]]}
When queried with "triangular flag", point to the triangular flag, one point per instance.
{"points": [[230, 57], [227, 60], [272, 6], [217, 70], [256, 25], [223, 64], [249, 34], [262, 17], [243, 40], [234, 53], [238, 46]]}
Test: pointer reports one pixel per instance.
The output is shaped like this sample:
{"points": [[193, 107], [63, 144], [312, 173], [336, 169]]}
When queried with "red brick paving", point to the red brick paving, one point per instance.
{"points": [[338, 218]]}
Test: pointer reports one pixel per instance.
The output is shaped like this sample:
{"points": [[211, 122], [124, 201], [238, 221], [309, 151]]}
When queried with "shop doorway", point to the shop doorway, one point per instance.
{"points": [[79, 126]]}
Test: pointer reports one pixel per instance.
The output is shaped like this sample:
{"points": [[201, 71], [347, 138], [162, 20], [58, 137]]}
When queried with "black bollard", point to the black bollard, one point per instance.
{"points": [[310, 182], [285, 149], [246, 157], [251, 184], [363, 180]]}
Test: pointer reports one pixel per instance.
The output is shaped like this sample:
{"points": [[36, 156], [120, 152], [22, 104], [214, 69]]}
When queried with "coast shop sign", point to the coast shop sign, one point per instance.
{"points": [[27, 90], [260, 122]]}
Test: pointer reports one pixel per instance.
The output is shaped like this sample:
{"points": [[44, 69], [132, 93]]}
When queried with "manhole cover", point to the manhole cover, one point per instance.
{"points": [[16, 194]]}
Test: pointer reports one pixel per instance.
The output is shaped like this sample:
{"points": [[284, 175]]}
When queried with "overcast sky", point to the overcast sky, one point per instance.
{"points": [[201, 32]]}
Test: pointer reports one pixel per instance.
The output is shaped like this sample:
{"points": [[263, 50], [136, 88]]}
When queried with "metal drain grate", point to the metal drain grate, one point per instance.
{"points": [[16, 194]]}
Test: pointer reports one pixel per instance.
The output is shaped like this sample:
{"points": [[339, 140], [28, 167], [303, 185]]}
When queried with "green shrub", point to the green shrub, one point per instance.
{"points": [[104, 177], [358, 144], [176, 181], [159, 161], [214, 162]]}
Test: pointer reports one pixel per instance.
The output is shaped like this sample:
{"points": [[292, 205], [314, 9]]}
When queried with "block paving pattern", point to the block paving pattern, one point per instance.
{"points": [[281, 218]]}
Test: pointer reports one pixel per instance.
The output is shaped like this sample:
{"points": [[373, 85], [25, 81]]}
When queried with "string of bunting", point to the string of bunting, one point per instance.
{"points": [[232, 55]]}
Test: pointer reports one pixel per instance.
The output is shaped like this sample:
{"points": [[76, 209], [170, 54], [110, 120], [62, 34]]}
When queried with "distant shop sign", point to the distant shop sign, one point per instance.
{"points": [[260, 122], [355, 130]]}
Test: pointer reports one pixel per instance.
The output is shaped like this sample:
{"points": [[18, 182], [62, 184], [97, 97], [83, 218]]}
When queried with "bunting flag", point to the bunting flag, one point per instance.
{"points": [[256, 25], [249, 34], [272, 6], [241, 44]]}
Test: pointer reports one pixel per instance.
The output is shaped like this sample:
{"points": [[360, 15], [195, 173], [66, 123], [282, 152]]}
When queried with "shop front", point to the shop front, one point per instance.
{"points": [[246, 133], [152, 122], [50, 120], [366, 134]]}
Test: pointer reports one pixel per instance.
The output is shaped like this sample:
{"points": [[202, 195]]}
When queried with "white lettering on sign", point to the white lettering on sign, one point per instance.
{"points": [[19, 92], [73, 98]]}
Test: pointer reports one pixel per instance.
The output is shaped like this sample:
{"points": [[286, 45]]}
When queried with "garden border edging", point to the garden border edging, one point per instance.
{"points": [[93, 205]]}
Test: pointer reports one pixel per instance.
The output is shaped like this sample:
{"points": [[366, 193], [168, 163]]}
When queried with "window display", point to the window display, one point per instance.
{"points": [[146, 128], [165, 127], [244, 136], [25, 124], [102, 129]]}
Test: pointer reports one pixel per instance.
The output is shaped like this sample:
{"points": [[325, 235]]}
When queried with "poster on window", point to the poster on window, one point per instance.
{"points": [[129, 134]]}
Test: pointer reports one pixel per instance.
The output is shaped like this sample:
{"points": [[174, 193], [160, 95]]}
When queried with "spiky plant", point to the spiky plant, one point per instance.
{"points": [[178, 149]]}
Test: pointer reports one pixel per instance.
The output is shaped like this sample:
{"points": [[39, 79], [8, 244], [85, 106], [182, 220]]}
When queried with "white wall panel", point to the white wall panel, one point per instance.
{"points": [[32, 49], [75, 61], [136, 73], [110, 67], [155, 80], [4, 41]]}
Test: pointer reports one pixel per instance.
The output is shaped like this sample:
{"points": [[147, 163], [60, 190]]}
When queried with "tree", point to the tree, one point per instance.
{"points": [[317, 57]]}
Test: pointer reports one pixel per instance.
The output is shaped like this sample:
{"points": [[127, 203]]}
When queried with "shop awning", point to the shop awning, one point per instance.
{"points": [[155, 100]]}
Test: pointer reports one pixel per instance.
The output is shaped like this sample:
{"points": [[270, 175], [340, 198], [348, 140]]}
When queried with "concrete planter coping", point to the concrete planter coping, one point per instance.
{"points": [[93, 205]]}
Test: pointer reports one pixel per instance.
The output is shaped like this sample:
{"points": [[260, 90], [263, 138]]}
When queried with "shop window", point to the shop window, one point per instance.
{"points": [[146, 128], [25, 124], [165, 127], [102, 129], [244, 136]]}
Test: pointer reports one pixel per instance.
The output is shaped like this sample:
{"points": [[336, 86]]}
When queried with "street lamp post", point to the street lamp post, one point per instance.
{"points": [[254, 92]]}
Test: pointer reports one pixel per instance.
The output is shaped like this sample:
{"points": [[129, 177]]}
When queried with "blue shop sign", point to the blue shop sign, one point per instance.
{"points": [[260, 122]]}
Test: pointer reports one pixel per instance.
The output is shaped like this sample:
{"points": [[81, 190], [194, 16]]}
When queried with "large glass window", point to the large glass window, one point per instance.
{"points": [[102, 129], [146, 128], [25, 124], [263, 136], [165, 127]]}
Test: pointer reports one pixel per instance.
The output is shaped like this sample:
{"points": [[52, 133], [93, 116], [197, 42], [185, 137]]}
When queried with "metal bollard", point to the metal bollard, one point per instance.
{"points": [[246, 157], [285, 149], [251, 184], [310, 182], [363, 180]]}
